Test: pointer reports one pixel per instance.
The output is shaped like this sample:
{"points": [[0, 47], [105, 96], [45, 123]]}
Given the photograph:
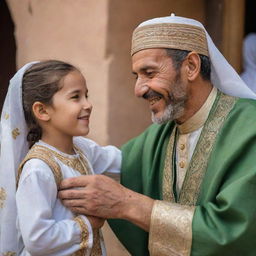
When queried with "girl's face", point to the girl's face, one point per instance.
{"points": [[70, 110]]}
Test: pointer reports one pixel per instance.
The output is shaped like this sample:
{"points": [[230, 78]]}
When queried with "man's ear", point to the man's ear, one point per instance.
{"points": [[193, 66], [40, 111]]}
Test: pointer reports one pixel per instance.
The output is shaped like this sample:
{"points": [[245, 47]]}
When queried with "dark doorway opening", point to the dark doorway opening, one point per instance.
{"points": [[7, 50], [250, 17]]}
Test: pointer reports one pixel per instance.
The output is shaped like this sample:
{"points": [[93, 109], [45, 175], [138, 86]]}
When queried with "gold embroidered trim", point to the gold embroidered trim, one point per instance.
{"points": [[84, 236], [80, 164], [15, 133], [9, 253], [198, 165], [44, 154], [170, 35], [96, 249], [168, 194], [3, 196], [170, 229]]}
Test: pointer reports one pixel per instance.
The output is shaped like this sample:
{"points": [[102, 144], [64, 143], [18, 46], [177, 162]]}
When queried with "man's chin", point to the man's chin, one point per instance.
{"points": [[170, 114], [161, 119]]}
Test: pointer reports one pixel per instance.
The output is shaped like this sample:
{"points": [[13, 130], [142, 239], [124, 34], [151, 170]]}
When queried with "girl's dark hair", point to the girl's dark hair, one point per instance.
{"points": [[40, 82]]}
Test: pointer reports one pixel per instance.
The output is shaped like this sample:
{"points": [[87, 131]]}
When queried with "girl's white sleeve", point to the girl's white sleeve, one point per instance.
{"points": [[103, 159], [42, 234]]}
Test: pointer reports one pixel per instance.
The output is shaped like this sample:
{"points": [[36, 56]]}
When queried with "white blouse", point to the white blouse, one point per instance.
{"points": [[45, 226]]}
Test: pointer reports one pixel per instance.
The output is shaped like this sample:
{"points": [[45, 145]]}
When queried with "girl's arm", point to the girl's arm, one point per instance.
{"points": [[105, 159], [42, 232]]}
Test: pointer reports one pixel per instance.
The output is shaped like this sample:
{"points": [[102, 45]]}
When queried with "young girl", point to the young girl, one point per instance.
{"points": [[45, 107]]}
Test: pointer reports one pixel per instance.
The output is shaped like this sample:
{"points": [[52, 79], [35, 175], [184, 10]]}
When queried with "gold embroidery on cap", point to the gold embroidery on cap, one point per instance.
{"points": [[170, 35], [2, 197], [15, 133]]}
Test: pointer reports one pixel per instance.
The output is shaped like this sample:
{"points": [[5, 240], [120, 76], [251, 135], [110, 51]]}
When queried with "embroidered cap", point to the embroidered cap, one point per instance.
{"points": [[170, 35]]}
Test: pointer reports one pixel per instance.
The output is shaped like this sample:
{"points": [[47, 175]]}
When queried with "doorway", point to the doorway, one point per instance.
{"points": [[7, 50]]}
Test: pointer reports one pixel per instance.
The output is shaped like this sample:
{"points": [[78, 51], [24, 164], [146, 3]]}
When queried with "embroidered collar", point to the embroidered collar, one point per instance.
{"points": [[199, 118]]}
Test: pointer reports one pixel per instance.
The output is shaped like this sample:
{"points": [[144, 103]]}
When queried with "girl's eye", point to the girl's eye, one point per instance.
{"points": [[75, 96]]}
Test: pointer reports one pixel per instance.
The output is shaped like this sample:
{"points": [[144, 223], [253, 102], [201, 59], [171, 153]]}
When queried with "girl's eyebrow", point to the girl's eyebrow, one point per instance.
{"points": [[77, 91]]}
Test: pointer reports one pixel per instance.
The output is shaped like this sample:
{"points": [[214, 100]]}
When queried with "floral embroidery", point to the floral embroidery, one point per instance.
{"points": [[6, 116], [2, 197], [15, 133], [9, 254]]}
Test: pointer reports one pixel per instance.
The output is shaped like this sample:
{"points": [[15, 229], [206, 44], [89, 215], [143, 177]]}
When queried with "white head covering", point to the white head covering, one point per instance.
{"points": [[14, 147], [223, 76], [249, 61]]}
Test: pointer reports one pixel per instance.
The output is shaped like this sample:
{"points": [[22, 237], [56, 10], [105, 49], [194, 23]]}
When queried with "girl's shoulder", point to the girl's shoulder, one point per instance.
{"points": [[41, 163], [35, 167]]}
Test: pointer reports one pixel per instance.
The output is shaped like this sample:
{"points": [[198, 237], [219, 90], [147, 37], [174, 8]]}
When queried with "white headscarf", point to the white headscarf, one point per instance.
{"points": [[14, 147], [249, 61], [223, 76]]}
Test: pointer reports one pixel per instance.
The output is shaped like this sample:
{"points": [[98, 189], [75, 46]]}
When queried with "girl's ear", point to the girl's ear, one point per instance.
{"points": [[40, 111]]}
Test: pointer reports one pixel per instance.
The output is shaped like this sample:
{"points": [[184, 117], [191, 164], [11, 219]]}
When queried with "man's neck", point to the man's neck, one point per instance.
{"points": [[198, 94]]}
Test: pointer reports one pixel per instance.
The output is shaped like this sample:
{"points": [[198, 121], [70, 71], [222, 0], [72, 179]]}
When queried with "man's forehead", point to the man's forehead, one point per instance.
{"points": [[149, 53], [148, 58]]}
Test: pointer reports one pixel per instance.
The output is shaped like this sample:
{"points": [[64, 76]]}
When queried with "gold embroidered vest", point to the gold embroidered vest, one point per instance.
{"points": [[80, 164]]}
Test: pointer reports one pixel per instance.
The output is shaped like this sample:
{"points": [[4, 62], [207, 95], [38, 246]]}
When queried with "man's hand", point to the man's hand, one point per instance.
{"points": [[95, 195], [100, 196]]}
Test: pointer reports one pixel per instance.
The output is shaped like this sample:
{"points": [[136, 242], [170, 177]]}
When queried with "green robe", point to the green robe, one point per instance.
{"points": [[224, 221]]}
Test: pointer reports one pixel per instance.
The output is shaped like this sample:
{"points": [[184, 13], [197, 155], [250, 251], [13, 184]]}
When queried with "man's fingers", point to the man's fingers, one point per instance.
{"points": [[73, 203], [80, 181], [71, 194], [78, 210]]}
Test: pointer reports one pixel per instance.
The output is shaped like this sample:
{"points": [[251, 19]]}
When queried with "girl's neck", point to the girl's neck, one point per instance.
{"points": [[64, 145]]}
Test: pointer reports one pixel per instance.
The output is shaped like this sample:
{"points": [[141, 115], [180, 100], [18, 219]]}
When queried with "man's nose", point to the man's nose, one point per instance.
{"points": [[140, 88]]}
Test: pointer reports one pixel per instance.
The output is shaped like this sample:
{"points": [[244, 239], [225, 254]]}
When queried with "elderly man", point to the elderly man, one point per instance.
{"points": [[189, 181]]}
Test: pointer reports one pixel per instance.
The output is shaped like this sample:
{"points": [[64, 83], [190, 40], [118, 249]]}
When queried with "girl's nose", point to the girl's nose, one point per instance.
{"points": [[87, 105]]}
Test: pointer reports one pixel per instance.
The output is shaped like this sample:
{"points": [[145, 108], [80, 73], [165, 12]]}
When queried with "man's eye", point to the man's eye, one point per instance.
{"points": [[75, 96], [150, 73]]}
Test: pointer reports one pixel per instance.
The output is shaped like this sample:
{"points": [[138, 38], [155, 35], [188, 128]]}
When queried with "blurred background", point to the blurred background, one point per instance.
{"points": [[95, 36]]}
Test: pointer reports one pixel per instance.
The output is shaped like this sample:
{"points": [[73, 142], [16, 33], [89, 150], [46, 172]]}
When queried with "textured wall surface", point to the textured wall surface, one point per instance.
{"points": [[95, 36]]}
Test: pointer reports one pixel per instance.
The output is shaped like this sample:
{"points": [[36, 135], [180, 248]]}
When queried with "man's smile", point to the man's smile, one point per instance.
{"points": [[153, 100]]}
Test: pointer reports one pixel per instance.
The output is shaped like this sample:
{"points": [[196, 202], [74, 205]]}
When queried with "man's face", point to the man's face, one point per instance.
{"points": [[160, 84]]}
